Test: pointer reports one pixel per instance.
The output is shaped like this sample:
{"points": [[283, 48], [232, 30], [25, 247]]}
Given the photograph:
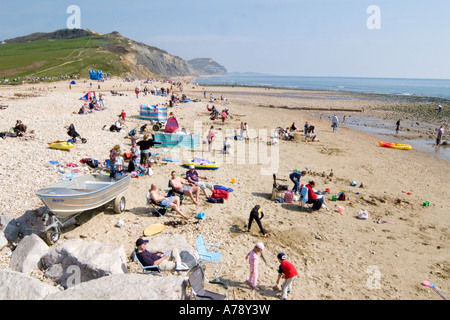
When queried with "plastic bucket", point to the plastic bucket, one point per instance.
{"points": [[333, 198], [201, 215], [341, 209]]}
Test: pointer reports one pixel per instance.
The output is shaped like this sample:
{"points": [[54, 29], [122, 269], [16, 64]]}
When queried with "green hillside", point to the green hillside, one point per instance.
{"points": [[62, 57]]}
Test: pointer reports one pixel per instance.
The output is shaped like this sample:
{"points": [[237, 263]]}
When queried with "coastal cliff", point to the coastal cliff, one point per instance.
{"points": [[72, 53]]}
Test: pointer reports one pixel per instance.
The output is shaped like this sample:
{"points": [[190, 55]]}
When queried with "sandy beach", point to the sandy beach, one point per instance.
{"points": [[338, 256]]}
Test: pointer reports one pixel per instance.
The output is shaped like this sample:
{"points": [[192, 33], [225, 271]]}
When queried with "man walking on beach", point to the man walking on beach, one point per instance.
{"points": [[334, 123], [397, 126], [439, 136]]}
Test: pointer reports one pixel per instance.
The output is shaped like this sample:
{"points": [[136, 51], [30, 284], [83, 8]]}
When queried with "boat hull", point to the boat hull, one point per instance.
{"points": [[88, 192], [206, 165], [395, 145]]}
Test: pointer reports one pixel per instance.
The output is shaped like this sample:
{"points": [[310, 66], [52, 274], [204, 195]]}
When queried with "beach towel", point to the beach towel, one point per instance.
{"points": [[219, 193], [216, 186]]}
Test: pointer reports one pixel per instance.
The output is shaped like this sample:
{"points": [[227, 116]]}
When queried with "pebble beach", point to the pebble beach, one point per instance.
{"points": [[338, 256]]}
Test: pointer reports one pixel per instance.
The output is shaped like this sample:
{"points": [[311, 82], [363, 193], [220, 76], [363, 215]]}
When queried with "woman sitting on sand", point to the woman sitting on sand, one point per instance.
{"points": [[20, 128]]}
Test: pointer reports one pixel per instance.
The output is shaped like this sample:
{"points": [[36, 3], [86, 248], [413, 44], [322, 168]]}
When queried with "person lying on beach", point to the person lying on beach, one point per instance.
{"points": [[172, 202], [167, 261], [180, 186]]}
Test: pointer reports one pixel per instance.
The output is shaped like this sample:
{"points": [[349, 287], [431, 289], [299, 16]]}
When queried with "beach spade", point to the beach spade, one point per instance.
{"points": [[432, 286]]}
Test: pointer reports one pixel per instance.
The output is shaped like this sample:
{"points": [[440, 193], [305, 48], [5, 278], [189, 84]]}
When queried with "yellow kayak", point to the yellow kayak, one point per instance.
{"points": [[201, 164], [62, 145], [395, 145]]}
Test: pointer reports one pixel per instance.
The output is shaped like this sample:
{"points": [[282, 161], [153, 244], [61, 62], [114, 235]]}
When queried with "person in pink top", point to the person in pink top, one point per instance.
{"points": [[210, 138], [253, 260]]}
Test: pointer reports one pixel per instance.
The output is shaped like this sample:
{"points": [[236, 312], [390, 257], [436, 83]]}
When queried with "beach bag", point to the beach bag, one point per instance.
{"points": [[219, 193], [341, 196], [288, 197], [363, 215], [277, 194], [93, 163], [215, 200]]}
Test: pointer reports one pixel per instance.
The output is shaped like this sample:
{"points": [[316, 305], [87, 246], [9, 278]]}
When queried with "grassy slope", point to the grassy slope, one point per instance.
{"points": [[53, 58]]}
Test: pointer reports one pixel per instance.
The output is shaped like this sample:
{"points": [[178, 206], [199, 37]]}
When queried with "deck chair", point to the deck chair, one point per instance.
{"points": [[173, 192], [206, 256], [148, 269], [159, 209], [196, 281], [304, 197]]}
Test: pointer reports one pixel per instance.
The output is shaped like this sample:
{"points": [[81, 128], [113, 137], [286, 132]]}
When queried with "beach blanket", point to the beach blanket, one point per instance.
{"points": [[223, 188], [219, 193]]}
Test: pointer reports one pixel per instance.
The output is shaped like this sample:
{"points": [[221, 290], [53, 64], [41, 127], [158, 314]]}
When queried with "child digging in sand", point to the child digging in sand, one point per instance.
{"points": [[253, 259], [288, 272]]}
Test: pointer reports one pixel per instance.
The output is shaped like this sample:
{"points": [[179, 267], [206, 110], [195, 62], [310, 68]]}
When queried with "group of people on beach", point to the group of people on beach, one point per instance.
{"points": [[93, 105]]}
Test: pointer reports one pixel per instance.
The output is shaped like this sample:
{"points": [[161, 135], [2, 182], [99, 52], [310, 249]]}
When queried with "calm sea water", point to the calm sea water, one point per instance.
{"points": [[424, 89], [434, 88]]}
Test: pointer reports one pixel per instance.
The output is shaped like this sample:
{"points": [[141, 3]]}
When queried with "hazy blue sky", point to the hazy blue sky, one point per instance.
{"points": [[279, 37]]}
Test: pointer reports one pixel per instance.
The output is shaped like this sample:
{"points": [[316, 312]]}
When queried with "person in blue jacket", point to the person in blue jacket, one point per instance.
{"points": [[295, 178]]}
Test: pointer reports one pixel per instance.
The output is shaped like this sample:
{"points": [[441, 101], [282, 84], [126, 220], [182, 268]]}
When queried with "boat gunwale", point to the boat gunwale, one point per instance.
{"points": [[126, 178]]}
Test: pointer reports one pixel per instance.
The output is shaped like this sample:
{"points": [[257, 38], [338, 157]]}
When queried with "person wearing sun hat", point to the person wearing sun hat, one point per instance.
{"points": [[253, 259], [288, 272], [167, 261]]}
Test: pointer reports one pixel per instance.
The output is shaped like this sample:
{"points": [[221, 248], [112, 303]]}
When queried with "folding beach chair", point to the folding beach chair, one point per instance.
{"points": [[173, 192], [206, 256], [159, 209], [148, 269], [196, 281], [304, 197]]}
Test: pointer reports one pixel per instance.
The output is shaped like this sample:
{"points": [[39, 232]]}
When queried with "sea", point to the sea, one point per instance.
{"points": [[427, 88], [434, 91]]}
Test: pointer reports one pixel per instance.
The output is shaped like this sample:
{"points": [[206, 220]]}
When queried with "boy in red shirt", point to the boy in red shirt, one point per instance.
{"points": [[288, 272]]}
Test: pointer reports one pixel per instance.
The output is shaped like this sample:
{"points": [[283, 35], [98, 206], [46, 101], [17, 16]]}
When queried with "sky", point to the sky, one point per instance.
{"points": [[341, 38]]}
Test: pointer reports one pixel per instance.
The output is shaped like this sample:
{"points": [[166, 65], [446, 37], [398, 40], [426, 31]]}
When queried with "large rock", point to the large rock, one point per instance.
{"points": [[125, 287], [78, 261], [9, 226], [3, 240], [18, 286], [169, 241], [28, 253]]}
